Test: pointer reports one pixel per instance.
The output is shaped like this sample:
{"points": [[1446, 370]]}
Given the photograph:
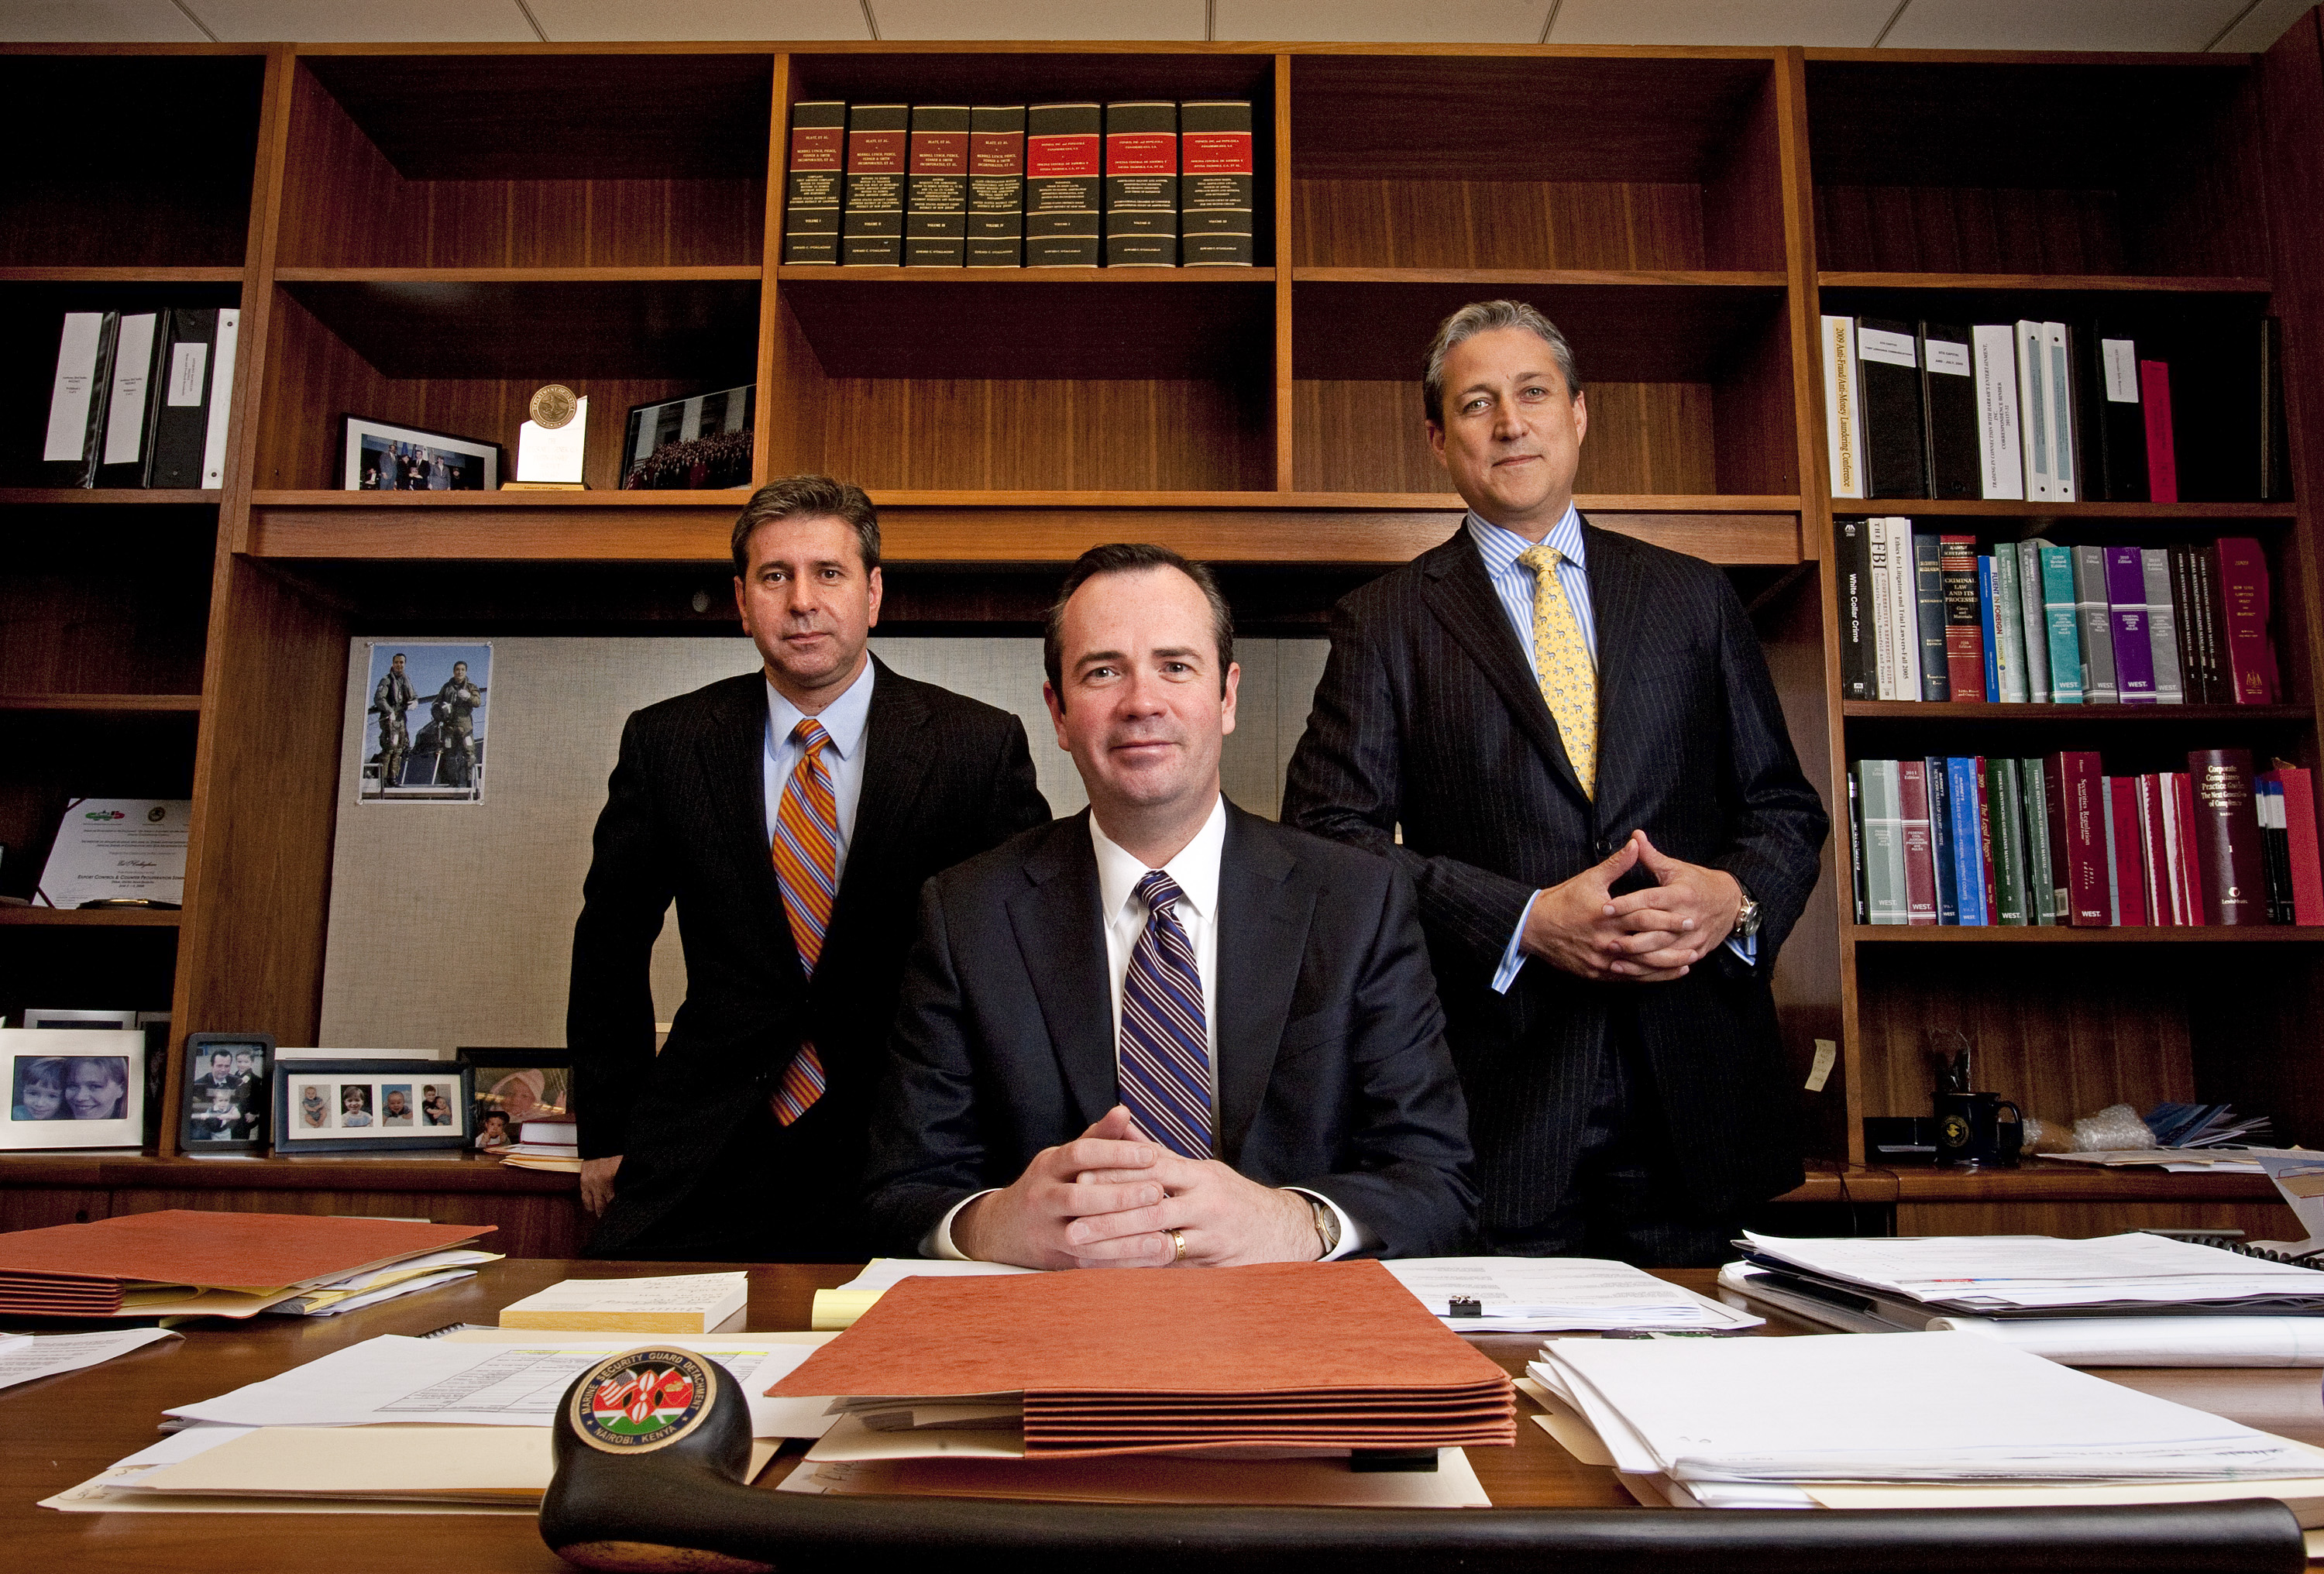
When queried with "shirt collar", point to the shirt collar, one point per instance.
{"points": [[1499, 547], [1195, 869], [843, 719]]}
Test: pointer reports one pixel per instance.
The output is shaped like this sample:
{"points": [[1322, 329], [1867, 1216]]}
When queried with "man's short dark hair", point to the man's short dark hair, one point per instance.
{"points": [[1132, 557], [1483, 317], [808, 497]]}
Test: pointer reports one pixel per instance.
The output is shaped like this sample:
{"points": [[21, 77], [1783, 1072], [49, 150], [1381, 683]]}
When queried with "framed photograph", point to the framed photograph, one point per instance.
{"points": [[423, 735], [509, 1087], [72, 1087], [381, 457], [229, 1093], [700, 442], [355, 1105], [123, 1021]]}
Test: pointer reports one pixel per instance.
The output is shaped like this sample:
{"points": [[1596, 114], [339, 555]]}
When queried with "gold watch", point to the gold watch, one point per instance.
{"points": [[1327, 1226]]}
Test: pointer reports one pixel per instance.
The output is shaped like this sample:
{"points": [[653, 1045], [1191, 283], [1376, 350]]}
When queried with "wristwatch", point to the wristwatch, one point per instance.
{"points": [[1747, 916], [1327, 1226]]}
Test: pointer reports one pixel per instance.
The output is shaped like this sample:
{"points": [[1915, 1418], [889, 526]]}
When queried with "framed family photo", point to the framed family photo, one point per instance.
{"points": [[71, 1087], [513, 1086], [328, 1105], [383, 456], [227, 1094]]}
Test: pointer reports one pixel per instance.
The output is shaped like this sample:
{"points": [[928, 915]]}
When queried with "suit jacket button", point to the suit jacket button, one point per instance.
{"points": [[1605, 848]]}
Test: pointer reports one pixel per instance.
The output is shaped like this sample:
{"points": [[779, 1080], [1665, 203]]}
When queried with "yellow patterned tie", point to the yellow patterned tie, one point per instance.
{"points": [[1569, 683]]}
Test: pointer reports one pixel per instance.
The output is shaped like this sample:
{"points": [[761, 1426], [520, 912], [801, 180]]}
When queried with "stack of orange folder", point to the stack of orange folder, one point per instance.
{"points": [[1277, 1354], [180, 1261]]}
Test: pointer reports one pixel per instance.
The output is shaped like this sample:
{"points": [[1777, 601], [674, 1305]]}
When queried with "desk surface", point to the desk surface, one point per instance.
{"points": [[61, 1431]]}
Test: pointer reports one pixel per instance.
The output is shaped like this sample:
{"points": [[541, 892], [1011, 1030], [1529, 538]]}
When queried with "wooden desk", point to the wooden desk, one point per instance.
{"points": [[61, 1431]]}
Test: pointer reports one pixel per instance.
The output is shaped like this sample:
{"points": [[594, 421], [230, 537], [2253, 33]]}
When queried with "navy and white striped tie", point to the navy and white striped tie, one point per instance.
{"points": [[1166, 1062]]}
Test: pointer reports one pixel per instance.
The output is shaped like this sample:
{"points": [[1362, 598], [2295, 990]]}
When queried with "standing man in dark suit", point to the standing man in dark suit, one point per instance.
{"points": [[1570, 741], [792, 815], [1165, 1031]]}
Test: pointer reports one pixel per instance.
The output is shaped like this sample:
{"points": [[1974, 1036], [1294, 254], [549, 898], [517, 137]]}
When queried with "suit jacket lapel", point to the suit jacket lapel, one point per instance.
{"points": [[1619, 604], [1460, 595], [1263, 914], [732, 751], [1060, 936], [895, 763]]}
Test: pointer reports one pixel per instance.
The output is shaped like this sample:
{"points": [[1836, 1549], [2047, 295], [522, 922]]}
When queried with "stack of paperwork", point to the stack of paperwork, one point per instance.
{"points": [[1558, 1295], [353, 1292], [1932, 1420], [669, 1303]]}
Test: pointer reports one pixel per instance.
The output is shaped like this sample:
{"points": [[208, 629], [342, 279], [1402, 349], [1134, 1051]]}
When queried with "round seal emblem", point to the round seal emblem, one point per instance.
{"points": [[553, 405], [644, 1400]]}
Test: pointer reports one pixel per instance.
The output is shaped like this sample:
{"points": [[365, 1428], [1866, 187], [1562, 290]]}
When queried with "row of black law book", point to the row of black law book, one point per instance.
{"points": [[140, 398], [1135, 183], [2042, 412]]}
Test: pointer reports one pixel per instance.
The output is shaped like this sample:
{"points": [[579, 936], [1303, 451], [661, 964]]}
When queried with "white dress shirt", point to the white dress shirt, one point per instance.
{"points": [[844, 719], [1195, 869]]}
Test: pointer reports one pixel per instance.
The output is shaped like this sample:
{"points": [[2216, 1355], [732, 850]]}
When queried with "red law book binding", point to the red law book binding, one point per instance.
{"points": [[2162, 458], [2299, 828], [2226, 836], [2078, 834], [2190, 868], [2155, 849], [2244, 605], [1964, 622], [1919, 848], [2129, 866]]}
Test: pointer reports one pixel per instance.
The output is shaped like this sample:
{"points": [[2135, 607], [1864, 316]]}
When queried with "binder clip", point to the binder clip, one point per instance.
{"points": [[1465, 1306]]}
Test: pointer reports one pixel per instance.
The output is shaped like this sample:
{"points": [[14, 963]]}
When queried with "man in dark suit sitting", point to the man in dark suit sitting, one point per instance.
{"points": [[1568, 740], [1165, 1031], [792, 815]]}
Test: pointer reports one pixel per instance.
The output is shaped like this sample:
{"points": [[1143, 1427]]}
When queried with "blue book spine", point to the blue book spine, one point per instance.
{"points": [[2061, 617], [1941, 841], [1929, 591], [1968, 841], [1984, 617]]}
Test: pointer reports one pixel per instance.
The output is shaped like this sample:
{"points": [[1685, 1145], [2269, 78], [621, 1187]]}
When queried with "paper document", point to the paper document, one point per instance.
{"points": [[391, 1379], [2155, 1341], [671, 1304], [1551, 1294], [22, 1359], [2002, 1273], [1320, 1483], [2179, 1160], [885, 1272]]}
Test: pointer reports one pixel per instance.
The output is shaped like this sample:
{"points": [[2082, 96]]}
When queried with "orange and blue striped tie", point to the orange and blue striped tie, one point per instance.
{"points": [[806, 866]]}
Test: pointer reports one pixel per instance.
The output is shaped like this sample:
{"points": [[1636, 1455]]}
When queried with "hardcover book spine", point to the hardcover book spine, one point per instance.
{"points": [[2112, 868], [2162, 626], [1856, 842], [936, 216], [2061, 616], [1216, 184], [1904, 596], [2244, 598], [818, 182], [1884, 843], [1888, 379], [1920, 857], [2226, 836], [996, 186], [2064, 475], [2133, 645], [1987, 631], [1985, 842], [1966, 841], [2078, 834], [2219, 676], [2153, 851], [2097, 630], [1964, 627], [2274, 857], [2174, 878], [1941, 840], [1884, 616], [2040, 863], [2190, 863], [878, 156], [1929, 607], [2033, 410], [1064, 171], [1141, 185], [2009, 625], [1949, 402], [2300, 842], [1843, 424], [2162, 455], [2001, 466], [2032, 626], [1853, 566], [2009, 842], [2127, 828]]}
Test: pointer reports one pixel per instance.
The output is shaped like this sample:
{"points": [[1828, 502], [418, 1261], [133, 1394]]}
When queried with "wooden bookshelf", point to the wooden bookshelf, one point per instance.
{"points": [[424, 237]]}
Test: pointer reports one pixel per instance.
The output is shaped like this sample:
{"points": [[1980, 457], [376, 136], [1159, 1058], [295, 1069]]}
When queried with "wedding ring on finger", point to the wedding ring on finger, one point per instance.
{"points": [[1178, 1240]]}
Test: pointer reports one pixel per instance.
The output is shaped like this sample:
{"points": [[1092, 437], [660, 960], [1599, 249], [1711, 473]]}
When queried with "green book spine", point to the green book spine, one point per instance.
{"points": [[2008, 833], [2041, 869]]}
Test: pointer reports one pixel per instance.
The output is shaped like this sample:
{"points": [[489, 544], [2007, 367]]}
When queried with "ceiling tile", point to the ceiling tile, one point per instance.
{"points": [[1818, 23], [698, 20], [1382, 20], [2060, 24], [1040, 20], [364, 22], [96, 22], [2266, 24]]}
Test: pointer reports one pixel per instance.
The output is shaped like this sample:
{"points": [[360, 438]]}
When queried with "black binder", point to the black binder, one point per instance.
{"points": [[1949, 403], [181, 409], [2109, 423], [1888, 374]]}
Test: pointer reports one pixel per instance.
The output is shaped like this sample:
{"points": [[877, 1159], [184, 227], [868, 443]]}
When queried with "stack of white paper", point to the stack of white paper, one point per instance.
{"points": [[1982, 1276], [1556, 1295], [373, 1286], [1753, 1422]]}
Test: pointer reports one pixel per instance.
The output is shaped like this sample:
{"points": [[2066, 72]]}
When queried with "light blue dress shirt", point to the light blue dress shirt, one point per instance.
{"points": [[1513, 582], [845, 720]]}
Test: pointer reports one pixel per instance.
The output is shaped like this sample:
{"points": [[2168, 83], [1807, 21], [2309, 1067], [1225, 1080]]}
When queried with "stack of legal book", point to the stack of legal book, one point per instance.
{"points": [[546, 1144]]}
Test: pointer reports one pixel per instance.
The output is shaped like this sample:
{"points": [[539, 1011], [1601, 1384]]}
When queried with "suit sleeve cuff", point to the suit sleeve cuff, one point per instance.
{"points": [[1352, 1236], [938, 1243], [1512, 956]]}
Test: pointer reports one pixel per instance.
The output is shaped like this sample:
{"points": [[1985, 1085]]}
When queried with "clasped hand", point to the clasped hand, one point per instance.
{"points": [[1646, 937], [1111, 1199]]}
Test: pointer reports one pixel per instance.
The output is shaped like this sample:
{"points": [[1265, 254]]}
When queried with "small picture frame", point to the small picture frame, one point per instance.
{"points": [[72, 1087], [377, 456], [333, 1104], [228, 1094], [509, 1087], [698, 443], [34, 1016]]}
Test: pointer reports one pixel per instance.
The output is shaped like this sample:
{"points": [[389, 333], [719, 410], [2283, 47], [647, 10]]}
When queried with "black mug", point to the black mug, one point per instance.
{"points": [[1970, 1129]]}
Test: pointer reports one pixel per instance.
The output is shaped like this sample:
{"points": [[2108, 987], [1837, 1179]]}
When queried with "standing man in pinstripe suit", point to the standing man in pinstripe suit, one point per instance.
{"points": [[1569, 740]]}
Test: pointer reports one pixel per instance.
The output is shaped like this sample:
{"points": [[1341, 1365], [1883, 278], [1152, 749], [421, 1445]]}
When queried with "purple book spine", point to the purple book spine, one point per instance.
{"points": [[2134, 650]]}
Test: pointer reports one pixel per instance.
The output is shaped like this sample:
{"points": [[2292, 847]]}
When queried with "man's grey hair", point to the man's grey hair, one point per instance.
{"points": [[1483, 317]]}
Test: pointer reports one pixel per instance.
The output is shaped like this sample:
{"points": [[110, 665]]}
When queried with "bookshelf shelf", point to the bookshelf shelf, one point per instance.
{"points": [[102, 497], [1850, 508], [808, 275], [135, 704], [97, 918], [407, 277], [1537, 277], [2197, 935], [1947, 712], [2000, 283], [2057, 1181], [120, 275]]}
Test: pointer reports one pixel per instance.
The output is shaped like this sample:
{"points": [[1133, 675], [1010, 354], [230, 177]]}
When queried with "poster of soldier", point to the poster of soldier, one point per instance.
{"points": [[423, 739]]}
